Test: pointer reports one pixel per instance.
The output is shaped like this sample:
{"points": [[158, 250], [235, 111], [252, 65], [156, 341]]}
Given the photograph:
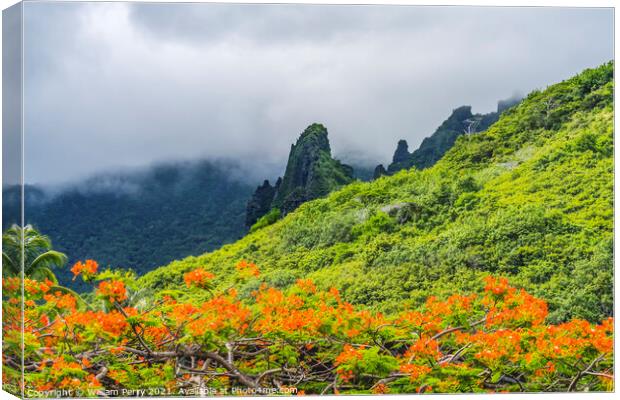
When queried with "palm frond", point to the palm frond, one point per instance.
{"points": [[8, 265], [49, 259], [43, 273]]}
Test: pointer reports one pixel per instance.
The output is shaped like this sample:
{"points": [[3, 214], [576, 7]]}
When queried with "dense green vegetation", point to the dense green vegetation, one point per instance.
{"points": [[139, 220], [531, 198], [410, 283], [38, 257]]}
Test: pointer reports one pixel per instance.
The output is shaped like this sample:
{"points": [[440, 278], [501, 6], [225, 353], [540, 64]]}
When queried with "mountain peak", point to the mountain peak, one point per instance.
{"points": [[314, 135], [311, 172], [402, 152]]}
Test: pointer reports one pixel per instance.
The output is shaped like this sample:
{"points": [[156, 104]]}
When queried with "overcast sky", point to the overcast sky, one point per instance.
{"points": [[117, 85]]}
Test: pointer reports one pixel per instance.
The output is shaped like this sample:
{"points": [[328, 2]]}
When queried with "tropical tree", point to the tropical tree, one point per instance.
{"points": [[39, 258], [203, 341]]}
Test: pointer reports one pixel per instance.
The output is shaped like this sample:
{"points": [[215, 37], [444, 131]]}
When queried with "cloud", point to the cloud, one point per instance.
{"points": [[112, 85], [11, 99]]}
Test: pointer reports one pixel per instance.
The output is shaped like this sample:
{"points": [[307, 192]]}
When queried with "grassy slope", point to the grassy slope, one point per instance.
{"points": [[530, 198]]}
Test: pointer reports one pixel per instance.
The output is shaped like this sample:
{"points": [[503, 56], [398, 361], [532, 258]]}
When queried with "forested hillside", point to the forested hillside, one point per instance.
{"points": [[530, 198], [140, 220], [490, 271]]}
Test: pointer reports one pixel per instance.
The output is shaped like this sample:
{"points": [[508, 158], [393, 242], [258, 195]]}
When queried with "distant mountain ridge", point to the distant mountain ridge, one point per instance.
{"points": [[432, 148], [138, 220], [529, 199]]}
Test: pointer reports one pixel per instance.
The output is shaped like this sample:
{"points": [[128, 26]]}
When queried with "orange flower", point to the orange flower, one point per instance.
{"points": [[348, 354], [334, 293], [199, 278], [44, 320], [61, 301], [415, 371], [381, 388], [247, 269], [306, 285], [112, 291], [423, 349], [88, 269], [497, 286]]}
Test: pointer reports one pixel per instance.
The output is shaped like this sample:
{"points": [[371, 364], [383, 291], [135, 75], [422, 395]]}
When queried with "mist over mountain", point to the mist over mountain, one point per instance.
{"points": [[530, 198], [138, 219], [240, 80]]}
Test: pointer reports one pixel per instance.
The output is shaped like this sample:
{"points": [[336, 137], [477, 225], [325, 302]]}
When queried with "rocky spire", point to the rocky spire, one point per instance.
{"points": [[379, 172], [311, 172], [260, 203], [460, 122], [402, 152]]}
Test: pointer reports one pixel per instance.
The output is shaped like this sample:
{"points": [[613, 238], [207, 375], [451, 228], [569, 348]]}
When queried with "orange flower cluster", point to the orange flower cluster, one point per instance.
{"points": [[415, 371], [113, 322], [497, 286], [66, 302], [88, 269], [285, 313], [424, 349], [347, 360], [11, 285], [112, 291], [574, 338], [199, 277], [247, 269], [449, 344], [219, 314], [509, 306], [348, 354], [306, 285], [495, 345], [34, 288], [60, 373]]}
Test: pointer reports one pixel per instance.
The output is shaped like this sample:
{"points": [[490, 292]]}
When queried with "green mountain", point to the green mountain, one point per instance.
{"points": [[138, 220], [311, 173], [432, 148], [530, 198]]}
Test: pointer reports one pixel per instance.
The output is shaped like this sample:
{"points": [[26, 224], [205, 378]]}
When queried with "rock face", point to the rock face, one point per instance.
{"points": [[460, 122], [311, 172], [402, 152], [260, 203], [379, 172]]}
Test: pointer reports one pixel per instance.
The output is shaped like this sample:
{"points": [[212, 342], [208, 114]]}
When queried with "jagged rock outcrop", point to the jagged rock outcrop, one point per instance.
{"points": [[260, 203], [379, 172], [432, 148], [311, 172], [402, 152]]}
